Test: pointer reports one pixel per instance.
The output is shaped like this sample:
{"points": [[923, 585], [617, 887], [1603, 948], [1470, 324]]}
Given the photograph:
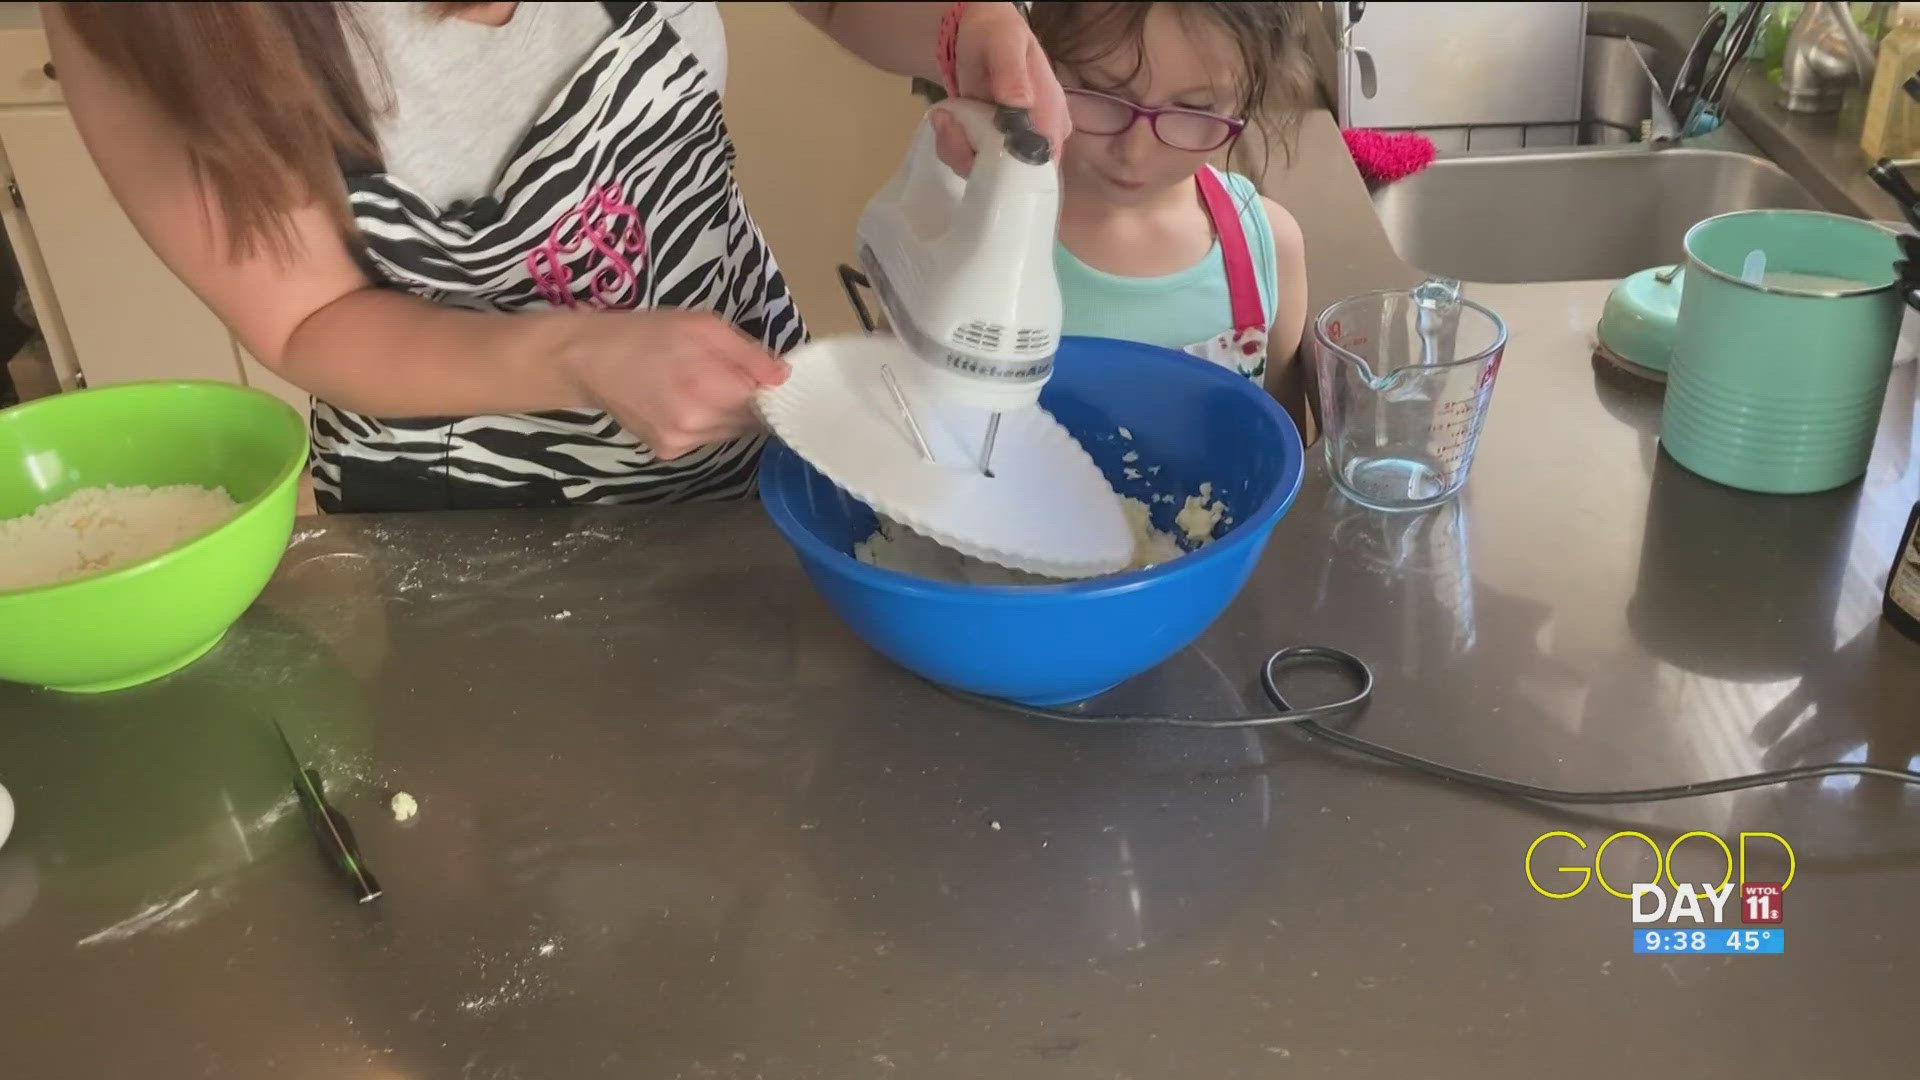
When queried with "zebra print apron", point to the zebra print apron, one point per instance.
{"points": [[621, 195]]}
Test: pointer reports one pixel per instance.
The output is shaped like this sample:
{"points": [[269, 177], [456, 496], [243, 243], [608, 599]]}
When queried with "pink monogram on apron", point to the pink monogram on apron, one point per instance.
{"points": [[603, 223], [1243, 348]]}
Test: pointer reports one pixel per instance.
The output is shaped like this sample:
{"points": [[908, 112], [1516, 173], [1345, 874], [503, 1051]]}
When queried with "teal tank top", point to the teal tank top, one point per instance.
{"points": [[1174, 310]]}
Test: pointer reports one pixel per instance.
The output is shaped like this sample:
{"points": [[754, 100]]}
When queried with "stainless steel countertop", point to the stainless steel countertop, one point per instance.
{"points": [[676, 821]]}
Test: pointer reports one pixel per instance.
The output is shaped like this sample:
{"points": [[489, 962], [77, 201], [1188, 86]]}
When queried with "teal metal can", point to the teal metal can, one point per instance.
{"points": [[1782, 349]]}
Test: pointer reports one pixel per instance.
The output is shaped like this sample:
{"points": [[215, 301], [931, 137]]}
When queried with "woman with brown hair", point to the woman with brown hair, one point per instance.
{"points": [[500, 243]]}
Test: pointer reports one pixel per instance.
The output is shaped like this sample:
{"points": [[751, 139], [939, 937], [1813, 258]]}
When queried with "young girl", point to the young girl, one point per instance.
{"points": [[1156, 244]]}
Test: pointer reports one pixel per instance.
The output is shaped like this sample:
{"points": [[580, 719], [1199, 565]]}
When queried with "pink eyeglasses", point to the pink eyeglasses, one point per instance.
{"points": [[1094, 113]]}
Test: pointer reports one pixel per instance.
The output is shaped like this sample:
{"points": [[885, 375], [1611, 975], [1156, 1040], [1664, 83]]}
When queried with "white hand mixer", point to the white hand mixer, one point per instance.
{"points": [[955, 445], [965, 269]]}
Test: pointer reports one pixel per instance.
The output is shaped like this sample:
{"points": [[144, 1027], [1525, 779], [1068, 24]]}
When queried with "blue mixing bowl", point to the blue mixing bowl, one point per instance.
{"points": [[1053, 644]]}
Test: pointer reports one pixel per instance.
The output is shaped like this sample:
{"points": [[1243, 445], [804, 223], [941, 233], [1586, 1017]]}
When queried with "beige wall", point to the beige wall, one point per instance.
{"points": [[818, 132]]}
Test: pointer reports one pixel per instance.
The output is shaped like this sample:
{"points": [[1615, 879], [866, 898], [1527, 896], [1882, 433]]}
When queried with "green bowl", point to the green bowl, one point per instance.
{"points": [[135, 623]]}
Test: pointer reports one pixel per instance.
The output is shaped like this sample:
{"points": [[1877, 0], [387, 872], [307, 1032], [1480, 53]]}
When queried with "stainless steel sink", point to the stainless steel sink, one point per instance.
{"points": [[1587, 212], [1571, 215]]}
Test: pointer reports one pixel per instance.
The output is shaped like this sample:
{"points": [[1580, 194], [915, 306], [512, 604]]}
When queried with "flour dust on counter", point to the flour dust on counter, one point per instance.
{"points": [[301, 536], [499, 560], [510, 980], [184, 909], [161, 916]]}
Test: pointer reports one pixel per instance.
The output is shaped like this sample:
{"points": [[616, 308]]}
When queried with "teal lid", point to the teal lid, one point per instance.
{"points": [[1636, 327]]}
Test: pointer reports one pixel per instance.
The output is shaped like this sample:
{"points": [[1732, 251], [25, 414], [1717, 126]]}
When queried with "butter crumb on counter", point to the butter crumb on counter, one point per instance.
{"points": [[404, 806]]}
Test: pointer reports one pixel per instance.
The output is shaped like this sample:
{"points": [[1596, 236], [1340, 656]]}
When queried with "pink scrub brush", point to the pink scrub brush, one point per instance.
{"points": [[1386, 156]]}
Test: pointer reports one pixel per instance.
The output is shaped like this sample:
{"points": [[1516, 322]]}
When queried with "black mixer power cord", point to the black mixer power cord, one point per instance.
{"points": [[1309, 721]]}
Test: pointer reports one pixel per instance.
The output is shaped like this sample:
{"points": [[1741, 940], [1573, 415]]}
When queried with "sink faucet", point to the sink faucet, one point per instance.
{"points": [[1825, 52]]}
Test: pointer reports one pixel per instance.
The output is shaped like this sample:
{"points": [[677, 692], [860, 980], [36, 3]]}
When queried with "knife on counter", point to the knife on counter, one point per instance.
{"points": [[329, 826]]}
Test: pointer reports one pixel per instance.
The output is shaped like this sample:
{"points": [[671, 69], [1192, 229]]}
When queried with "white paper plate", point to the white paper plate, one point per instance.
{"points": [[1046, 510]]}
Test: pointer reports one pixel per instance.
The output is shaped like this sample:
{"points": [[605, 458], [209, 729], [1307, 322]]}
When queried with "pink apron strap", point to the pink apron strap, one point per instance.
{"points": [[1243, 288]]}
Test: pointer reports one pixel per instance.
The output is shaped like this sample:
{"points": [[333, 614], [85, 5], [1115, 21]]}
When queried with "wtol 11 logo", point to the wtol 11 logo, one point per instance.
{"points": [[1670, 916]]}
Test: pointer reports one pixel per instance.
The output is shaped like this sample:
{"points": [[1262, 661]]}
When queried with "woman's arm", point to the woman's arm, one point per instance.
{"points": [[311, 315], [1289, 375]]}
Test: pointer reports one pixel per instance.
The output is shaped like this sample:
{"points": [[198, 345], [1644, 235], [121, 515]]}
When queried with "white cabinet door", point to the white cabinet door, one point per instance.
{"points": [[128, 318]]}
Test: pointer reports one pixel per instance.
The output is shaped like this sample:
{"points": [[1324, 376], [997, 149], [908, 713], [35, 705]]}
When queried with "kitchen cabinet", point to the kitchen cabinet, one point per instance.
{"points": [[108, 310]]}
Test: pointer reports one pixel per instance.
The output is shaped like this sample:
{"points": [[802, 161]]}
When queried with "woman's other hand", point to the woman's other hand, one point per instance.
{"points": [[675, 380], [998, 60]]}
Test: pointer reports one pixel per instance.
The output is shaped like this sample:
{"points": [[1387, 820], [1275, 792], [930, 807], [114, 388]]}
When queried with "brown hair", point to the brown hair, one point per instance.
{"points": [[1280, 80], [266, 94]]}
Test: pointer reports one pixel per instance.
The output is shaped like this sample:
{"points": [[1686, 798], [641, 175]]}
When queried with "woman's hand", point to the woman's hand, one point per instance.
{"points": [[675, 380], [998, 60]]}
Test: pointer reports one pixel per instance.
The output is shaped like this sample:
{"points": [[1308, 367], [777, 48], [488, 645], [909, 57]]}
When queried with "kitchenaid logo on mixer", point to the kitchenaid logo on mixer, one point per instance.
{"points": [[973, 366], [1669, 887]]}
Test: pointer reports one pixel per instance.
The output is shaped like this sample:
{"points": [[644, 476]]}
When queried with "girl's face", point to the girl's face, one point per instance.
{"points": [[1178, 65]]}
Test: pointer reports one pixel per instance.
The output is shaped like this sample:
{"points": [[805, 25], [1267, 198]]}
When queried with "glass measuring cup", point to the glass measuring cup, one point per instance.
{"points": [[1405, 377]]}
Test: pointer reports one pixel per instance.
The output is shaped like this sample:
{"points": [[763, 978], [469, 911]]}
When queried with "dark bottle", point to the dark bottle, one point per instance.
{"points": [[1902, 604]]}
